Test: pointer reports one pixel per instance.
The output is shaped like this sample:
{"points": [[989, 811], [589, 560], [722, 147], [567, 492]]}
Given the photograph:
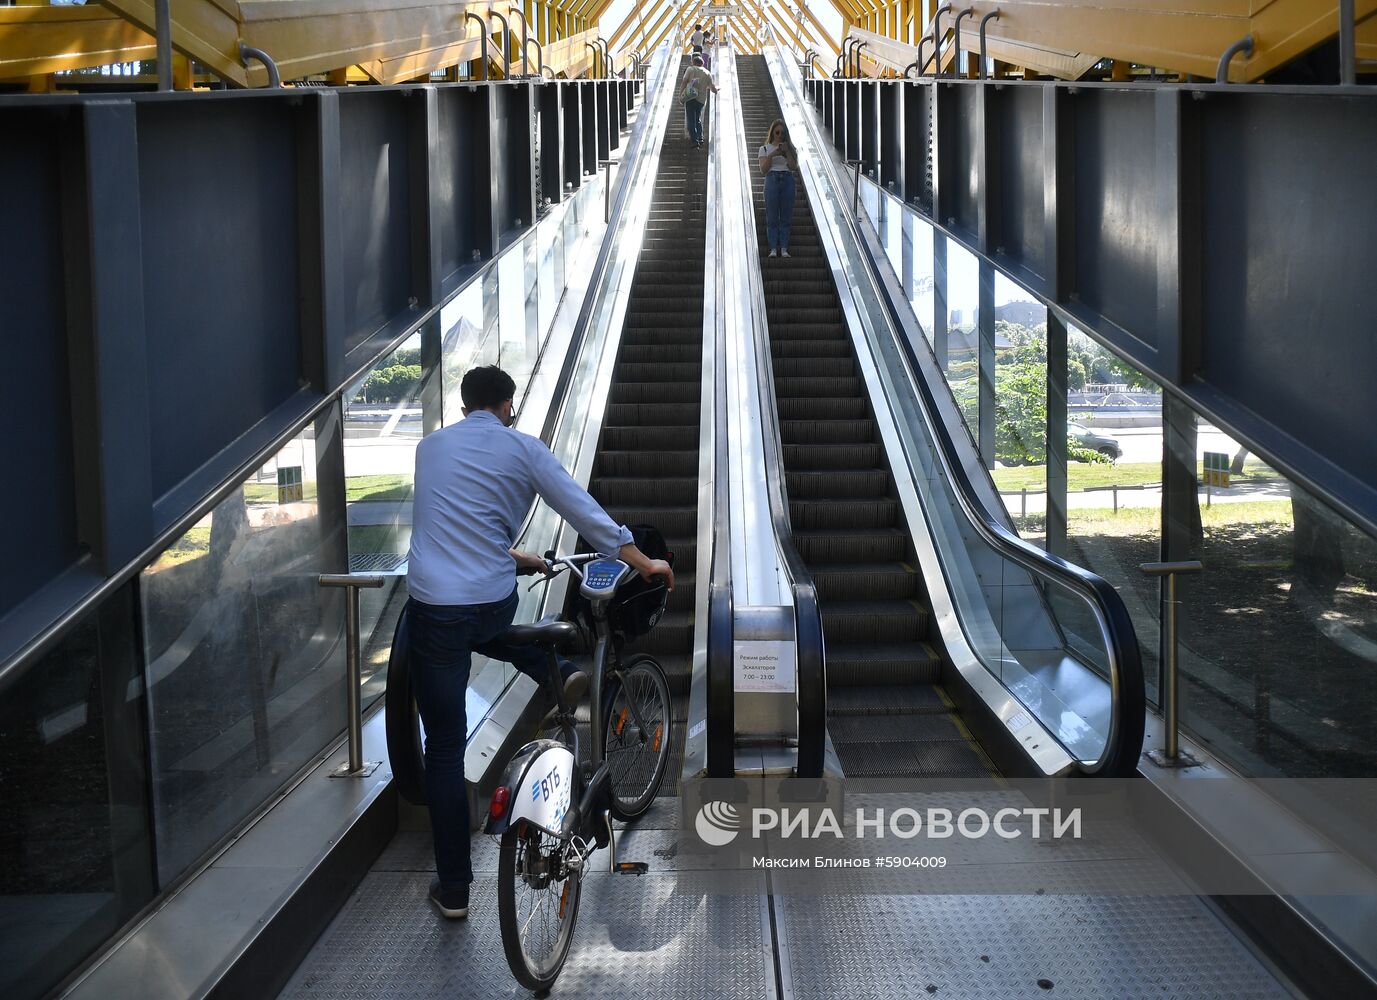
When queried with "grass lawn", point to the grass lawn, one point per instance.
{"points": [[193, 545], [1084, 475], [393, 486]]}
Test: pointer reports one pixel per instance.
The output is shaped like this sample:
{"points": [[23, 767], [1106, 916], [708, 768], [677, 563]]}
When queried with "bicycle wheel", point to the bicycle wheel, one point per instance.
{"points": [[537, 904], [636, 744]]}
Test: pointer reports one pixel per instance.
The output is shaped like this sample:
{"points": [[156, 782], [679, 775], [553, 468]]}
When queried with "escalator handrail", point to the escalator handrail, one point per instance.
{"points": [[1128, 701], [720, 710], [811, 656]]}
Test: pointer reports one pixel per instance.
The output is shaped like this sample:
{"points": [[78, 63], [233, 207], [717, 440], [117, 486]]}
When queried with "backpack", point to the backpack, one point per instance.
{"points": [[690, 92]]}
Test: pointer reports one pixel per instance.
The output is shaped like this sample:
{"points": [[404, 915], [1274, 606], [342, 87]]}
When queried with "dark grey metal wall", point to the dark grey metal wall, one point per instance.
{"points": [[1219, 237], [193, 274]]}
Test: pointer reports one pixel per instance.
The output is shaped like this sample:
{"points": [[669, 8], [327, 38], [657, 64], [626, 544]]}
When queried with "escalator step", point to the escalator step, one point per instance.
{"points": [[780, 348], [613, 462], [631, 491], [887, 545], [882, 700], [918, 728], [953, 758], [652, 414], [854, 514], [865, 581], [624, 390], [824, 408], [814, 367], [837, 483], [651, 353], [826, 431], [846, 622], [832, 456], [676, 438], [648, 335], [664, 373], [818, 386], [879, 667]]}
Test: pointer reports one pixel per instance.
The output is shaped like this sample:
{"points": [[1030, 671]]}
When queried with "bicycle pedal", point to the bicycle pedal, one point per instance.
{"points": [[632, 868]]}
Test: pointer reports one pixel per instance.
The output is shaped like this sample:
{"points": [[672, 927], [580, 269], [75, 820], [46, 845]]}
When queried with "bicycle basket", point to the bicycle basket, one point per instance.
{"points": [[639, 605]]}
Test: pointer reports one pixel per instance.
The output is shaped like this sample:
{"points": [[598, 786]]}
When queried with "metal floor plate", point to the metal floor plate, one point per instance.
{"points": [[993, 947], [668, 935]]}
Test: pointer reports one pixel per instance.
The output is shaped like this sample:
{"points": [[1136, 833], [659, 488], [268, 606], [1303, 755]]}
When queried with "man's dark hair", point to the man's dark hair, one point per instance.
{"points": [[486, 388]]}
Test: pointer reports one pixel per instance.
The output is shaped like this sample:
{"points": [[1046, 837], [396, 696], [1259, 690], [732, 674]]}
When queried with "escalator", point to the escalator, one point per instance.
{"points": [[887, 714], [647, 464]]}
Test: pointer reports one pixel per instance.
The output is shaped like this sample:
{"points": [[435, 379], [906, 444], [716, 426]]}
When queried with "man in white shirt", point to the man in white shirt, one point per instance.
{"points": [[475, 481], [694, 88]]}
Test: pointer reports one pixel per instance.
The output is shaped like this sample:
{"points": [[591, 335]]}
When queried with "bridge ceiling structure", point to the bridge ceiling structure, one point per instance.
{"points": [[381, 41], [393, 41]]}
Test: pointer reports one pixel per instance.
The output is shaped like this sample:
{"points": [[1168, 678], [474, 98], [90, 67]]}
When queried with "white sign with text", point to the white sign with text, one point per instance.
{"points": [[764, 665]]}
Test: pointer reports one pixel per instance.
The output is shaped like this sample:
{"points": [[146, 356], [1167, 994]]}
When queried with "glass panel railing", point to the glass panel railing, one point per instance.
{"points": [[242, 650], [996, 583]]}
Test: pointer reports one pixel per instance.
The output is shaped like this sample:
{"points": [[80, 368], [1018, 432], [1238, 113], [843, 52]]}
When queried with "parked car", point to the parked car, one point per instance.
{"points": [[1084, 437]]}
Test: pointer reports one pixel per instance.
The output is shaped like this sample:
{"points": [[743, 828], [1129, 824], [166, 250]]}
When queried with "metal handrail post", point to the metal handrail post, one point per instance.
{"points": [[525, 37], [856, 57], [1244, 45], [247, 52], [540, 55], [162, 36], [483, 28], [506, 45], [1170, 755], [856, 190], [937, 40], [956, 41], [607, 190], [984, 51], [1348, 52], [593, 68], [356, 767]]}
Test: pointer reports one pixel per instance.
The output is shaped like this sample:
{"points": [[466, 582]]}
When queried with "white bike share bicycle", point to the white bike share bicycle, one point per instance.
{"points": [[552, 811]]}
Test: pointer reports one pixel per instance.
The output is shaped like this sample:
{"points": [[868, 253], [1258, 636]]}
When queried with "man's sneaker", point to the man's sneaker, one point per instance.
{"points": [[773, 252], [453, 903], [575, 687], [784, 253]]}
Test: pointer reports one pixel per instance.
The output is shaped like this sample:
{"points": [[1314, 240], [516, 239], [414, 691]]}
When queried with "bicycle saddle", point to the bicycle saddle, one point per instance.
{"points": [[550, 631]]}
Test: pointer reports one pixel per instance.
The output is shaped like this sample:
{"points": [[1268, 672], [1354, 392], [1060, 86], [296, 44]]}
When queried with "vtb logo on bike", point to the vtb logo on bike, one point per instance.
{"points": [[717, 824], [543, 788]]}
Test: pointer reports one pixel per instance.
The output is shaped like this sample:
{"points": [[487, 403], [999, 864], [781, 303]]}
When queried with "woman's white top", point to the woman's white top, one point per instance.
{"points": [[779, 161]]}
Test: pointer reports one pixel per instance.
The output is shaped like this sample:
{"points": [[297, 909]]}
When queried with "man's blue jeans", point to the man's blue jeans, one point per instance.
{"points": [[443, 639], [694, 112], [779, 207]]}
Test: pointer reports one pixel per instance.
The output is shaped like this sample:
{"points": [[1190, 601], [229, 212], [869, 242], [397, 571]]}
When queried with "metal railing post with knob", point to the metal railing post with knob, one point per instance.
{"points": [[356, 766], [1170, 755]]}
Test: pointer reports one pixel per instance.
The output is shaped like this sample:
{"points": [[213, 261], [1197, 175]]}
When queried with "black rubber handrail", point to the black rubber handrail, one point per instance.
{"points": [[721, 665], [810, 645], [1128, 710]]}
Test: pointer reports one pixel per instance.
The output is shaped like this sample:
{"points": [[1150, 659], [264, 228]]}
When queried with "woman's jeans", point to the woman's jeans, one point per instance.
{"points": [[779, 207], [442, 641], [693, 112]]}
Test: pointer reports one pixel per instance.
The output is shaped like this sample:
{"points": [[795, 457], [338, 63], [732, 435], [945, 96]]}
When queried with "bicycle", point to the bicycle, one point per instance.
{"points": [[550, 812]]}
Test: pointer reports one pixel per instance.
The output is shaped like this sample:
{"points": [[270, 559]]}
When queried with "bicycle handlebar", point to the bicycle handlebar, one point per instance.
{"points": [[573, 562]]}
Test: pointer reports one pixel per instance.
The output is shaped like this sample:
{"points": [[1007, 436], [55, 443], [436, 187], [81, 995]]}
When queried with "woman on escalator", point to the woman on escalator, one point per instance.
{"points": [[778, 161]]}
